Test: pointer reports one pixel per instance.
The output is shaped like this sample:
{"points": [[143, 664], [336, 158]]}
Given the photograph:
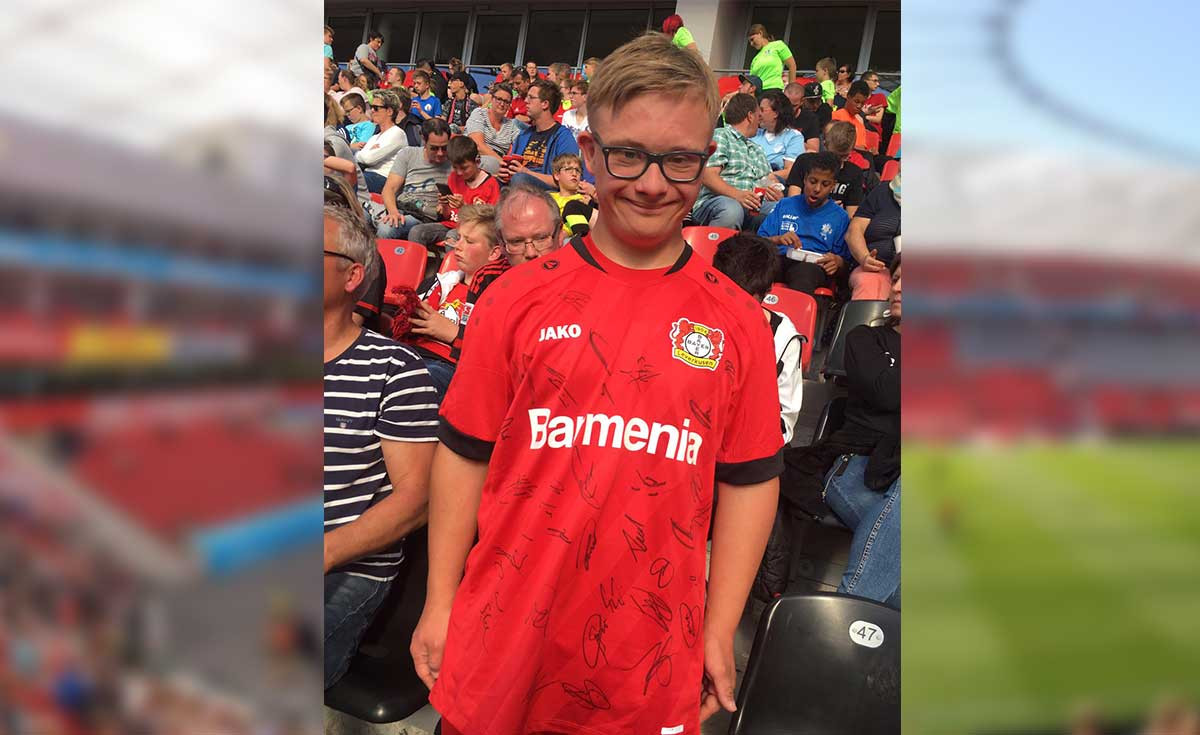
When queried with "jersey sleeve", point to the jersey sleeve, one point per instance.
{"points": [[480, 392], [752, 444]]}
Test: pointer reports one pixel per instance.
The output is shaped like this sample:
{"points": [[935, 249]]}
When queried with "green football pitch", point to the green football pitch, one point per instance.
{"points": [[1040, 577]]}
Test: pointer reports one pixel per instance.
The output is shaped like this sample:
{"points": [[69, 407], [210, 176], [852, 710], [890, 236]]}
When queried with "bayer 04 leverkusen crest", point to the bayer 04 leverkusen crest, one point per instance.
{"points": [[696, 344]]}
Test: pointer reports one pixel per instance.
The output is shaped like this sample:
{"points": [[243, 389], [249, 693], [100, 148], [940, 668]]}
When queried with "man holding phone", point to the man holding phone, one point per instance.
{"points": [[468, 183], [536, 148], [410, 194]]}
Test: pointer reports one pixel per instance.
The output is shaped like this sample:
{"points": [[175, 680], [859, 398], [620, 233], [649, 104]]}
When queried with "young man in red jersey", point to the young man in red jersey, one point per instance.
{"points": [[601, 389]]}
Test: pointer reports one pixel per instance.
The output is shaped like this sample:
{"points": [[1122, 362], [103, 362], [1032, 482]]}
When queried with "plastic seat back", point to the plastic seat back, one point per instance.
{"points": [[704, 240], [853, 314], [893, 145], [833, 415], [802, 310], [404, 260], [890, 169], [822, 664]]}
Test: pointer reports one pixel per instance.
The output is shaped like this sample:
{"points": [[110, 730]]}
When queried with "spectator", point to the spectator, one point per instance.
{"points": [[812, 115], [408, 121], [871, 77], [845, 75], [437, 80], [849, 189], [734, 170], [482, 633], [469, 184], [491, 128], [506, 71], [893, 107], [520, 87], [444, 295], [775, 136], [852, 113], [826, 68], [411, 194], [368, 307], [360, 127], [531, 70], [773, 55], [813, 223], [590, 66], [363, 82], [379, 439], [424, 104], [750, 85], [528, 222], [328, 42], [459, 107], [575, 205], [542, 141], [335, 121], [674, 29], [366, 59], [377, 155], [345, 85], [395, 78], [559, 73], [873, 239], [752, 263], [330, 76], [873, 113], [575, 119]]}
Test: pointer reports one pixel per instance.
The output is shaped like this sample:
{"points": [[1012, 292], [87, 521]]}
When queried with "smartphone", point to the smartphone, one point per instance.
{"points": [[444, 190], [510, 157]]}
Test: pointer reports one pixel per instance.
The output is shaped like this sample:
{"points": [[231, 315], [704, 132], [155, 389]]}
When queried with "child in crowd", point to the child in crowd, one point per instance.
{"points": [[826, 70], [443, 295], [468, 184], [810, 222], [573, 202], [751, 263], [424, 104], [360, 126]]}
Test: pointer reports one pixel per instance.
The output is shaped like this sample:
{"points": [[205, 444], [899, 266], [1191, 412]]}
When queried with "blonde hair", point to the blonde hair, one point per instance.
{"points": [[334, 114], [761, 30], [482, 216], [840, 137], [651, 64], [829, 65]]}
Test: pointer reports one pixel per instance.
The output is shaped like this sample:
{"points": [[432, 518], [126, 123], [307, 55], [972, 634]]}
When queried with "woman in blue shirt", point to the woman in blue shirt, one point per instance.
{"points": [[779, 140]]}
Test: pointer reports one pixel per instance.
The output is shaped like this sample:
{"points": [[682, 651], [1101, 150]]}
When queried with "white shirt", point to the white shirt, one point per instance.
{"points": [[380, 150], [574, 123]]}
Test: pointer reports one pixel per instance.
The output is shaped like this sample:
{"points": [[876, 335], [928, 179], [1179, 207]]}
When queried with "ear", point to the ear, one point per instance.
{"points": [[354, 277]]}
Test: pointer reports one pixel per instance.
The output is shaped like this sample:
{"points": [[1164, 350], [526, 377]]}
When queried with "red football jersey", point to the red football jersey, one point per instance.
{"points": [[605, 400]]}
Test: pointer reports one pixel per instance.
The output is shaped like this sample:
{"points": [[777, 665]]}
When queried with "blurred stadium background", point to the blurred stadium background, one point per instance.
{"points": [[1051, 386], [159, 369]]}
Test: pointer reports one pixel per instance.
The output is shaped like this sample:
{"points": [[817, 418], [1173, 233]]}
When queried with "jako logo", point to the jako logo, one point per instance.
{"points": [[560, 332], [633, 435]]}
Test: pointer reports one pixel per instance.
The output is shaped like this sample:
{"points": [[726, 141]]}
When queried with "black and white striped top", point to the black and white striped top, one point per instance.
{"points": [[377, 389]]}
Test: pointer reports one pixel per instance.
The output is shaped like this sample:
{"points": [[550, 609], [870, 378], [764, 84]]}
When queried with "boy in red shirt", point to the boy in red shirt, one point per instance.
{"points": [[444, 295], [601, 389], [468, 184]]}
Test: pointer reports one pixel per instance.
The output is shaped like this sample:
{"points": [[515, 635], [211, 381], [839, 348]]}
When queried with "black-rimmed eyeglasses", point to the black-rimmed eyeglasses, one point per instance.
{"points": [[626, 162], [340, 255]]}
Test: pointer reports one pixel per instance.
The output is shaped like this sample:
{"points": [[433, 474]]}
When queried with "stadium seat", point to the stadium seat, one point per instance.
{"points": [[704, 240], [404, 260], [805, 80], [378, 198], [381, 686], [872, 139], [893, 145], [832, 417], [890, 169], [725, 85], [853, 314], [448, 263], [802, 310], [853, 643]]}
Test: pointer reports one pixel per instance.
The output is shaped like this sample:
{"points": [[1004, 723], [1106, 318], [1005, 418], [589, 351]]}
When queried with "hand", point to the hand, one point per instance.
{"points": [[454, 200], [830, 263], [393, 218], [428, 323], [587, 189], [719, 676], [357, 146], [429, 643], [791, 239], [750, 200], [773, 194], [873, 263]]}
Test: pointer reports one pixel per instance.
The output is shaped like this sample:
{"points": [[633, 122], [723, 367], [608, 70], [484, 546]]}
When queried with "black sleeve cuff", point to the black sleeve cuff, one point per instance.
{"points": [[468, 446], [752, 472]]}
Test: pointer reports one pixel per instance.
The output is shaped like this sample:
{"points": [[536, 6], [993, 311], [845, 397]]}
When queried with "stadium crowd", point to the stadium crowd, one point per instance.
{"points": [[563, 258]]}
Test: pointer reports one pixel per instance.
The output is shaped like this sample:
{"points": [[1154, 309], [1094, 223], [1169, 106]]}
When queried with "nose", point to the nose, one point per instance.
{"points": [[652, 182]]}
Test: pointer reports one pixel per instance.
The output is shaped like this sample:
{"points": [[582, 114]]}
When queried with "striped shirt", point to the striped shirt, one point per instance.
{"points": [[500, 140], [377, 389]]}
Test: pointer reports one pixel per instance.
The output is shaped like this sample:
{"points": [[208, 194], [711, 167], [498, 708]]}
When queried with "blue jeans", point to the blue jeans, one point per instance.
{"points": [[385, 231], [873, 570], [350, 605], [374, 181], [723, 211], [441, 372]]}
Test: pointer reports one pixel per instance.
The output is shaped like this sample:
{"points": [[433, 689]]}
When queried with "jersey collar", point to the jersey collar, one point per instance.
{"points": [[584, 249]]}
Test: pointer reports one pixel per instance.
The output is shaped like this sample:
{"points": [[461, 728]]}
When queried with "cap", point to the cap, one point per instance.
{"points": [[758, 87], [812, 90]]}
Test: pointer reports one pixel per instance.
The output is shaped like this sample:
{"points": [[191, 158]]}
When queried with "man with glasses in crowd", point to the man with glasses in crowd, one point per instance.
{"points": [[492, 129], [411, 193], [380, 421], [542, 141], [602, 388]]}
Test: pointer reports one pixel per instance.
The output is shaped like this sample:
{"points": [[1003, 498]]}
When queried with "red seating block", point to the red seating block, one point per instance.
{"points": [[404, 260], [890, 169], [802, 310], [704, 240]]}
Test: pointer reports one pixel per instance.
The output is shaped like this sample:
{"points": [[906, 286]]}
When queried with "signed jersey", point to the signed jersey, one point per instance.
{"points": [[605, 401]]}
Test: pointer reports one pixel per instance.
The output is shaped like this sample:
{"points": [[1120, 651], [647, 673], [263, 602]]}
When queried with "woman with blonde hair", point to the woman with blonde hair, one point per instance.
{"points": [[772, 57]]}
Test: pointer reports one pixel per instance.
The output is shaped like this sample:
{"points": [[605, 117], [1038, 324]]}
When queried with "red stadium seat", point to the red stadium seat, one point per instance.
{"points": [[802, 310], [890, 169], [448, 263], [805, 80], [704, 240], [893, 145], [404, 260], [725, 85], [872, 139]]}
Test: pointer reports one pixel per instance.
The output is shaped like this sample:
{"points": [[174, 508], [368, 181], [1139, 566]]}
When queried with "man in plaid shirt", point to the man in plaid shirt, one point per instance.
{"points": [[732, 174]]}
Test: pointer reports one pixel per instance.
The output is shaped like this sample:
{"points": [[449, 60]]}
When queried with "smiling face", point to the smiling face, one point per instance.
{"points": [[646, 212], [578, 99]]}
